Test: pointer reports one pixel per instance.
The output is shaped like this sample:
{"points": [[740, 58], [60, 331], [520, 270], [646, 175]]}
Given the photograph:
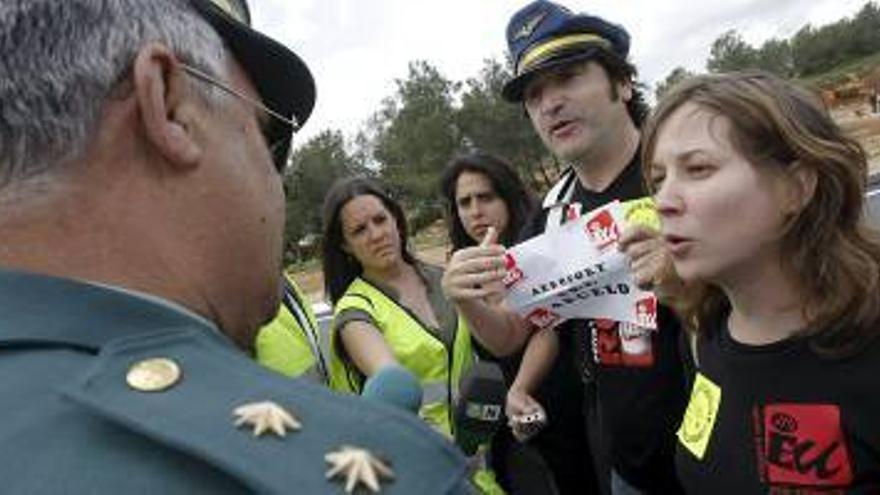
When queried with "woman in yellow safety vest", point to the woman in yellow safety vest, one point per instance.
{"points": [[388, 307]]}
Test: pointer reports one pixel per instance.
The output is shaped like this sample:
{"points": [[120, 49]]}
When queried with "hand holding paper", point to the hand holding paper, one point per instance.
{"points": [[649, 261], [578, 271], [476, 272]]}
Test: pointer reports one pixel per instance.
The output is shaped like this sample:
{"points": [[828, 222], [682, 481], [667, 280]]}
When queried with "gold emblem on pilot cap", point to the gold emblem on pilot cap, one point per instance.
{"points": [[153, 375], [529, 26]]}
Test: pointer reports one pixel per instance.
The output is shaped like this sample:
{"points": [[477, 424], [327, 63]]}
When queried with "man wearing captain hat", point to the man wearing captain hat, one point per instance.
{"points": [[141, 212], [572, 76]]}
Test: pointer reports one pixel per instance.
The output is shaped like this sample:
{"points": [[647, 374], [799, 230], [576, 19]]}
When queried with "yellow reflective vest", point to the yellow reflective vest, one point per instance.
{"points": [[291, 343], [437, 367]]}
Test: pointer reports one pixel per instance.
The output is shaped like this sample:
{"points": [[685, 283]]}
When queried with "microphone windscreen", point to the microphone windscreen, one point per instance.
{"points": [[480, 408], [394, 385]]}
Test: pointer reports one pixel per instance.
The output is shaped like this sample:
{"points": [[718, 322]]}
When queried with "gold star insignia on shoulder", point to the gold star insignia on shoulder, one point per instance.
{"points": [[266, 416], [359, 467]]}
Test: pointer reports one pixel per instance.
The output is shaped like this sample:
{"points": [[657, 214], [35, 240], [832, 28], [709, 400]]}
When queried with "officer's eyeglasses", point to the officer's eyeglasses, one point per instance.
{"points": [[277, 129]]}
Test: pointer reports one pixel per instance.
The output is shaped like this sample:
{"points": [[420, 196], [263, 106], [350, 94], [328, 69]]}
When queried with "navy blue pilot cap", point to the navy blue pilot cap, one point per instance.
{"points": [[544, 34], [282, 79]]}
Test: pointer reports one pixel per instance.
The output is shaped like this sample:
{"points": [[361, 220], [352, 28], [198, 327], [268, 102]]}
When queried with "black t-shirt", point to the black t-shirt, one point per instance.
{"points": [[633, 403], [785, 419]]}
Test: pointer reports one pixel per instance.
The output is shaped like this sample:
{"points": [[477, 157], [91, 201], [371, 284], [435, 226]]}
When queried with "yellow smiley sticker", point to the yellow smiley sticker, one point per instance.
{"points": [[699, 418], [641, 212]]}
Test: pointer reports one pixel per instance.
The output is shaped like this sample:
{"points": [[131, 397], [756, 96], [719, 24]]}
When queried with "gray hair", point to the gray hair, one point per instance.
{"points": [[60, 61]]}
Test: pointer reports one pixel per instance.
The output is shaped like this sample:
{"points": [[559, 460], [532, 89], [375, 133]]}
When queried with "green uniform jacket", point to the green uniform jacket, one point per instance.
{"points": [[72, 424], [291, 343]]}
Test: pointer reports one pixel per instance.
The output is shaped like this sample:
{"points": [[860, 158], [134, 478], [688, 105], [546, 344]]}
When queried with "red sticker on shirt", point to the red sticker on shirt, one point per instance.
{"points": [[646, 312], [542, 318], [603, 230], [622, 344], [804, 445]]}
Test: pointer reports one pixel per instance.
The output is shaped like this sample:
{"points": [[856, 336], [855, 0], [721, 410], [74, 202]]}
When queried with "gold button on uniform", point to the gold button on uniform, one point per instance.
{"points": [[153, 375]]}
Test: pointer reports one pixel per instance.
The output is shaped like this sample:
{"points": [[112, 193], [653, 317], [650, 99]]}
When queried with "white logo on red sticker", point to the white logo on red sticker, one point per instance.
{"points": [[646, 312], [542, 318], [602, 230], [513, 273]]}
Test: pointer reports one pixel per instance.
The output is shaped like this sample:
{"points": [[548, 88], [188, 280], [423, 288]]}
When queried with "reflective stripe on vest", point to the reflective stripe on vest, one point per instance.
{"points": [[434, 392], [308, 326]]}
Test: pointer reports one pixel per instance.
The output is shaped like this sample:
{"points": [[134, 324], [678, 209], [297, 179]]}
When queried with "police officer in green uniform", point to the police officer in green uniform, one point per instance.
{"points": [[291, 344], [141, 215]]}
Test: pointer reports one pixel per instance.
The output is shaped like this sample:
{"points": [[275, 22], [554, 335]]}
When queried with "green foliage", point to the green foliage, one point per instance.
{"points": [[843, 73], [415, 133], [776, 56], [730, 52], [429, 119], [314, 167], [493, 125], [677, 75], [809, 52]]}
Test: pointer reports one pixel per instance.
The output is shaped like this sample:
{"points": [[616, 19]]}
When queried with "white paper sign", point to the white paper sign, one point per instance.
{"points": [[577, 271]]}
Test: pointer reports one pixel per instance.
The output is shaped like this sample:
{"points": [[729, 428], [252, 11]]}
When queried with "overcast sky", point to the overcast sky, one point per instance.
{"points": [[357, 48]]}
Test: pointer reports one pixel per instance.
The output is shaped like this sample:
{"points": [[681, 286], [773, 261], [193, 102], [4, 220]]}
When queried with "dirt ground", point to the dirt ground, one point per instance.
{"points": [[864, 126], [431, 245]]}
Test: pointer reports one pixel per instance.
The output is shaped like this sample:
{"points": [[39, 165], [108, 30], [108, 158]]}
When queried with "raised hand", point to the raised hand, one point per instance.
{"points": [[476, 272], [650, 262]]}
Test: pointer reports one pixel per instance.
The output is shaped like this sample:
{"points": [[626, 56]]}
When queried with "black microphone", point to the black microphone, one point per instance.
{"points": [[480, 409]]}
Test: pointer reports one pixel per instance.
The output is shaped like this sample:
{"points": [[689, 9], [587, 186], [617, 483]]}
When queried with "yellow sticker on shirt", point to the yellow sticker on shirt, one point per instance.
{"points": [[641, 212], [699, 418]]}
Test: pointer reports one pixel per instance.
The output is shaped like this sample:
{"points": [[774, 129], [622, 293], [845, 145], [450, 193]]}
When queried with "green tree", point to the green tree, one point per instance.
{"points": [[493, 125], [314, 167], [414, 135], [865, 29], [730, 52], [677, 75], [775, 56], [817, 50]]}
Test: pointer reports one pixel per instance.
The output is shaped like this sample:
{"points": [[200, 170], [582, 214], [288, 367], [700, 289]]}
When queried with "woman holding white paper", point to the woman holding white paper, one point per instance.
{"points": [[761, 201], [486, 200]]}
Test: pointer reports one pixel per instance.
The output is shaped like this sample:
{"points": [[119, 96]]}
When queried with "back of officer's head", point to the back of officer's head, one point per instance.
{"points": [[61, 61], [105, 143]]}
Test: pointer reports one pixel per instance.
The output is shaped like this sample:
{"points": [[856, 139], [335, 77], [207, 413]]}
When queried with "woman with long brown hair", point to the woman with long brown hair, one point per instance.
{"points": [[482, 191], [761, 203], [389, 309]]}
